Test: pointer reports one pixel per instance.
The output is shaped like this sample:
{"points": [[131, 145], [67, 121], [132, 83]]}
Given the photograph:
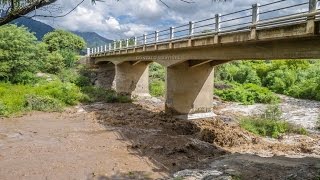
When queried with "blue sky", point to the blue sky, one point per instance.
{"points": [[128, 18]]}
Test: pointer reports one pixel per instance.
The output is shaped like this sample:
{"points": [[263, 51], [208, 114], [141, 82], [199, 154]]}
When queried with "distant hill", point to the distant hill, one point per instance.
{"points": [[40, 29], [93, 39]]}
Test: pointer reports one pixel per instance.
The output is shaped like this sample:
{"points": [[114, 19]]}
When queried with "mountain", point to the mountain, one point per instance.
{"points": [[92, 39], [40, 29]]}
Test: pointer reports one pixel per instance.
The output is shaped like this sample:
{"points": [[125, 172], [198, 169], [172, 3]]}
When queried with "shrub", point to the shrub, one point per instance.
{"points": [[247, 94], [271, 128], [67, 93], [3, 109], [42, 103], [53, 63], [157, 72], [45, 96], [270, 124], [272, 112], [157, 88]]}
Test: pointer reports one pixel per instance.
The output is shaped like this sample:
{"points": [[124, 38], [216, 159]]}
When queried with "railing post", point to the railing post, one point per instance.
{"points": [[255, 13], [120, 44], [156, 36], [109, 46], [114, 45], [105, 48], [191, 28], [101, 49], [217, 28], [313, 5], [144, 39], [135, 41], [88, 52], [127, 43], [171, 32], [218, 23], [255, 19], [98, 50]]}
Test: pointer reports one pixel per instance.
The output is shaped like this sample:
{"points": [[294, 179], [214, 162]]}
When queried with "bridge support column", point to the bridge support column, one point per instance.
{"points": [[189, 90], [105, 75], [132, 78]]}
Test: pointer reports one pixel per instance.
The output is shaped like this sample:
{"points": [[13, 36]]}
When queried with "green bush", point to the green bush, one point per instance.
{"points": [[94, 94], [296, 78], [42, 103], [247, 94], [157, 88], [157, 72], [271, 128], [20, 98], [3, 109], [272, 112], [53, 63], [20, 54], [67, 93], [60, 40]]}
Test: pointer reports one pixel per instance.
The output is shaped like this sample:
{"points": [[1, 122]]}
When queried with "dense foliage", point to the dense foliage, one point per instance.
{"points": [[42, 75], [296, 78], [157, 80], [247, 93], [66, 44], [19, 54]]}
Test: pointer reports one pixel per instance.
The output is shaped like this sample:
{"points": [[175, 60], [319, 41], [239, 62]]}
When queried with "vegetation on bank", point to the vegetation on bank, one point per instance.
{"points": [[270, 124], [295, 78], [44, 75], [255, 81]]}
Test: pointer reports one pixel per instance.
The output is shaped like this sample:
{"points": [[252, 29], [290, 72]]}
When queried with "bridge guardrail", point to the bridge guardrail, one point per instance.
{"points": [[273, 14]]}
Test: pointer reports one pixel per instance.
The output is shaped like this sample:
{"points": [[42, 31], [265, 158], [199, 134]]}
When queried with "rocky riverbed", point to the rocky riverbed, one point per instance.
{"points": [[138, 141], [297, 111]]}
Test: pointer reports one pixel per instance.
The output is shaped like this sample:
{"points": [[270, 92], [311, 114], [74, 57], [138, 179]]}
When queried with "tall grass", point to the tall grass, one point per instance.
{"points": [[49, 96]]}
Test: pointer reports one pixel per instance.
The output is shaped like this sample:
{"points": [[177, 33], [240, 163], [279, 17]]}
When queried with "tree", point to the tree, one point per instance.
{"points": [[63, 40], [65, 43], [19, 54]]}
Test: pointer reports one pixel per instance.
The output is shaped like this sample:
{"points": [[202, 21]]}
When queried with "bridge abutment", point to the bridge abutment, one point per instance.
{"points": [[189, 90]]}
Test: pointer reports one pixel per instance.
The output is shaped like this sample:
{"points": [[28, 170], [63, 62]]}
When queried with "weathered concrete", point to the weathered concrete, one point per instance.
{"points": [[189, 90], [132, 78], [106, 75]]}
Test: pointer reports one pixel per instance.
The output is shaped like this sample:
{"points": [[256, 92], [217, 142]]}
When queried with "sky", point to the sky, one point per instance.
{"points": [[127, 18]]}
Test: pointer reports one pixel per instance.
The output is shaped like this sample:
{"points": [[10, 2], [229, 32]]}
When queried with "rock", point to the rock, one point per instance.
{"points": [[197, 174], [232, 172]]}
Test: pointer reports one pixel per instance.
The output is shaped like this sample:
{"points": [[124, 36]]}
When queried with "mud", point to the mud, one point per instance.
{"points": [[139, 141]]}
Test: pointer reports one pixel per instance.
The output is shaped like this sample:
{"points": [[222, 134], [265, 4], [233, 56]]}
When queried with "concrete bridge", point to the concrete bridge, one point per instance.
{"points": [[283, 29]]}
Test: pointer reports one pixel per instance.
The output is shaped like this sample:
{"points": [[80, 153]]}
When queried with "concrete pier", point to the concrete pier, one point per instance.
{"points": [[189, 89], [132, 78]]}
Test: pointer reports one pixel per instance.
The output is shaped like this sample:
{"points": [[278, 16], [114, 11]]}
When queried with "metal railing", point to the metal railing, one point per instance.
{"points": [[277, 13]]}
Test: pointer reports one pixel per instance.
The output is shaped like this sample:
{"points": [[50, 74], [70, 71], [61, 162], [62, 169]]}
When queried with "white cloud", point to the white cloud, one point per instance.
{"points": [[128, 18]]}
